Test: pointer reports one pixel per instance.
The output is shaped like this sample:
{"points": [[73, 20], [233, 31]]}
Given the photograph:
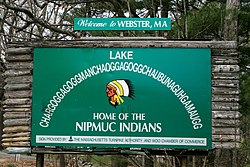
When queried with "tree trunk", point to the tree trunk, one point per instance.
{"points": [[178, 20], [231, 34], [164, 6], [185, 5], [230, 24], [88, 9]]}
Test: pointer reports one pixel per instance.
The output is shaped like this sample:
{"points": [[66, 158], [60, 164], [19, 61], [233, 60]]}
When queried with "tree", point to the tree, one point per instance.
{"points": [[231, 20], [205, 23]]}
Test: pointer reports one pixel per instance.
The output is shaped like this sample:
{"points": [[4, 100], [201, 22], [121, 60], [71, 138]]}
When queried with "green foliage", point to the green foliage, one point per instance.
{"points": [[11, 165], [245, 103], [119, 161], [244, 50], [102, 161], [244, 24], [245, 88], [204, 23]]}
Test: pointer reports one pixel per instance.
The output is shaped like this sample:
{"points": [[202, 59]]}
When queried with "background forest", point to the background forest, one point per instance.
{"points": [[218, 20]]}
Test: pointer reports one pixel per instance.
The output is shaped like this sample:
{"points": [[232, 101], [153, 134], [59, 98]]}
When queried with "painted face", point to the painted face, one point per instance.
{"points": [[111, 91]]}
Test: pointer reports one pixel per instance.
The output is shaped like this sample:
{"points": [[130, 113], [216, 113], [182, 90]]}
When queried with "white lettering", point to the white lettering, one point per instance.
{"points": [[121, 55]]}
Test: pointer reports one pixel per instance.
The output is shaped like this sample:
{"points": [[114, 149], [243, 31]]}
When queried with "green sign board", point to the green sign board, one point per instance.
{"points": [[122, 97], [122, 24]]}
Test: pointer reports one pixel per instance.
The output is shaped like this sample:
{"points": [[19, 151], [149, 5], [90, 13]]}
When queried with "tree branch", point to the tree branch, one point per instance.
{"points": [[40, 6], [36, 20]]}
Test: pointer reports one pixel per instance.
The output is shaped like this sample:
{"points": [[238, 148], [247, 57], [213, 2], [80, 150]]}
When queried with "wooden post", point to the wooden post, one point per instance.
{"points": [[194, 161], [143, 161], [39, 160], [217, 157], [184, 161], [62, 160]]}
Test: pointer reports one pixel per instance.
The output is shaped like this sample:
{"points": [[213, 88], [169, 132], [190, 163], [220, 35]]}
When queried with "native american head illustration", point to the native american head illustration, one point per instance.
{"points": [[117, 89]]}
